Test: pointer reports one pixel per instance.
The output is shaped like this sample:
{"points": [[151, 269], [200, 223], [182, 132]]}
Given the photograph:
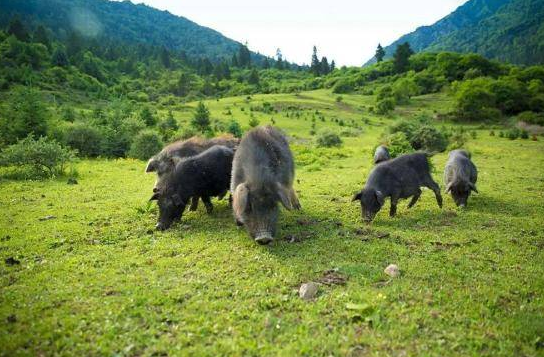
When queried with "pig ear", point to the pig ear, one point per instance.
{"points": [[155, 196], [473, 187], [356, 196], [380, 197], [288, 197], [151, 165], [177, 199], [240, 200], [175, 160]]}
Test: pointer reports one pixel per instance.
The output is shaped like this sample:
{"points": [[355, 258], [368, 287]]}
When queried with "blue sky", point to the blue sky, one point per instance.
{"points": [[347, 31]]}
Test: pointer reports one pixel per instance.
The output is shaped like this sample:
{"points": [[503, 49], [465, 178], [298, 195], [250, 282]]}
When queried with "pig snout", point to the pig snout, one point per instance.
{"points": [[263, 238], [161, 226]]}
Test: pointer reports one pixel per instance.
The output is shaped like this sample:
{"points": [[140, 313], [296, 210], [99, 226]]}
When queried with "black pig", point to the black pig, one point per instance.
{"points": [[204, 175], [398, 178], [262, 175], [164, 162], [381, 154], [460, 176]]}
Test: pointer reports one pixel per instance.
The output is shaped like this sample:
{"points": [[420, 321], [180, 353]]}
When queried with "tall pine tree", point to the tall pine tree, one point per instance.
{"points": [[315, 64], [401, 57], [380, 53]]}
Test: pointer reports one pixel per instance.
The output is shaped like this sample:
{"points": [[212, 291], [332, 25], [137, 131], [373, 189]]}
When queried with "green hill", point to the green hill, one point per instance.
{"points": [[507, 30], [124, 21]]}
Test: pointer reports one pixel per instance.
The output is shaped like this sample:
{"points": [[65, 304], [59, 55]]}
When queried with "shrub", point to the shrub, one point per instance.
{"points": [[84, 138], [397, 144], [513, 133], [328, 138], [457, 139], [524, 134], [253, 122], [146, 144], [531, 118], [201, 118], [342, 86], [385, 106], [42, 157], [474, 100], [235, 129], [429, 139]]}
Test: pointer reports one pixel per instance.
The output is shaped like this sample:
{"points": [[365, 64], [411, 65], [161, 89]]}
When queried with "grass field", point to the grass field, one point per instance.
{"points": [[84, 273]]}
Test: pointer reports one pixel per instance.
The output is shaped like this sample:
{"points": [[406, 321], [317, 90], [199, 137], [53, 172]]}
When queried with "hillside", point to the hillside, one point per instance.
{"points": [[507, 30], [124, 21]]}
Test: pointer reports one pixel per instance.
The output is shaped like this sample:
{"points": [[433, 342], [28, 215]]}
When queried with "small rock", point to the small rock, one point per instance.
{"points": [[392, 270], [72, 181], [47, 218], [308, 291]]}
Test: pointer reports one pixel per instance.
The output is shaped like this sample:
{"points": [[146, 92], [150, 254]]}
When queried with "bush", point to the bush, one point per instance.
{"points": [[342, 86], [397, 144], [513, 133], [235, 129], [146, 144], [385, 106], [328, 138], [457, 139], [531, 118], [84, 138], [524, 134], [253, 122], [429, 139], [42, 157]]}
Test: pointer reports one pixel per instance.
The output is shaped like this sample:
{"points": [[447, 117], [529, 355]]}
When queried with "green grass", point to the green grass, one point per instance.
{"points": [[98, 280]]}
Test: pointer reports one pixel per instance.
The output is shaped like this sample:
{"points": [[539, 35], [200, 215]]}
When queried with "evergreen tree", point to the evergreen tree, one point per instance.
{"points": [[234, 60], [380, 53], [147, 116], [333, 66], [73, 45], [184, 85], [201, 118], [244, 56], [253, 77], [266, 63], [17, 29], [279, 60], [315, 66], [40, 36], [401, 57], [59, 57], [324, 66], [165, 57]]}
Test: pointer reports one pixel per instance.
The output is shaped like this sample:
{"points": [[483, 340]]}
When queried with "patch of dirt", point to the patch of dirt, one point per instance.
{"points": [[332, 277]]}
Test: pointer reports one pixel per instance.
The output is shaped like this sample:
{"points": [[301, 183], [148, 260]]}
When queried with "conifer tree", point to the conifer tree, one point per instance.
{"points": [[315, 64], [380, 53], [201, 118], [401, 57], [17, 29]]}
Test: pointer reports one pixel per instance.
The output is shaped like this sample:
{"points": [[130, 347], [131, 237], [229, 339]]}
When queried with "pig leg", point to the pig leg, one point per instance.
{"points": [[194, 203], [414, 199], [393, 209], [436, 189], [208, 204]]}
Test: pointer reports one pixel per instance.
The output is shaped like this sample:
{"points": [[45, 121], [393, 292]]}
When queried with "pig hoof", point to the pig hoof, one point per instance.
{"points": [[263, 240], [160, 227]]}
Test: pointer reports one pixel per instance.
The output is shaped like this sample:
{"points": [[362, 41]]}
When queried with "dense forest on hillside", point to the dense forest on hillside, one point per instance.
{"points": [[506, 30]]}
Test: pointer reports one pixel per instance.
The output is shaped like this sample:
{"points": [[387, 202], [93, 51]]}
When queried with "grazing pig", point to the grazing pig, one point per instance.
{"points": [[165, 161], [262, 174], [204, 175], [398, 178], [381, 154], [460, 176]]}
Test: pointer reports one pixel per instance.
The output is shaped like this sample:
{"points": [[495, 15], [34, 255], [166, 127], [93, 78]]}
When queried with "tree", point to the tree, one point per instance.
{"points": [[165, 57], [253, 77], [266, 63], [324, 66], [401, 57], [26, 114], [279, 60], [333, 66], [147, 116], [17, 29], [201, 118], [59, 57], [315, 67], [244, 56], [380, 53], [184, 84], [40, 36], [234, 60]]}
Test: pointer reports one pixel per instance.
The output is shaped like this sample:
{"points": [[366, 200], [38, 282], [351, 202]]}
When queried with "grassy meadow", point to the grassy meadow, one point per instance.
{"points": [[84, 273]]}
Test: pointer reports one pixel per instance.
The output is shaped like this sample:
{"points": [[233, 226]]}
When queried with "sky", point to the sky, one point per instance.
{"points": [[347, 31]]}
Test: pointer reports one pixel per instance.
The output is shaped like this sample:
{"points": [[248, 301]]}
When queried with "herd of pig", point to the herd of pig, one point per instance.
{"points": [[259, 170]]}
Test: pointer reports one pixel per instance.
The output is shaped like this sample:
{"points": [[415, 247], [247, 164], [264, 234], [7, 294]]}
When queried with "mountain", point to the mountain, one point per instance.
{"points": [[124, 21], [506, 30]]}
